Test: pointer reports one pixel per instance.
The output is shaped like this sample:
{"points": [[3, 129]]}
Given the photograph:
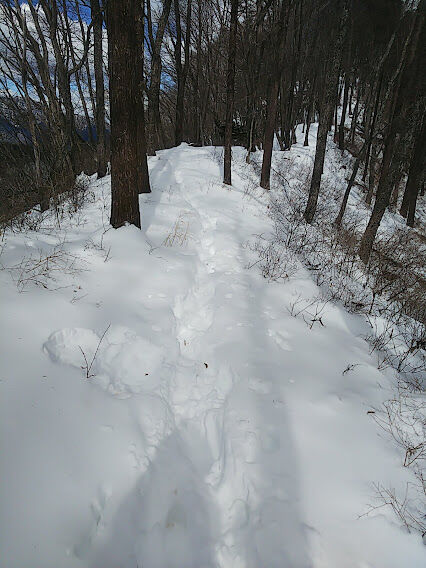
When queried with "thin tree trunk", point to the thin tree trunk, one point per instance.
{"points": [[310, 111], [156, 140], [268, 139], [355, 114], [86, 63], [343, 116], [372, 125], [230, 93], [360, 157], [100, 89], [144, 185], [326, 116], [181, 71], [371, 175], [44, 195]]}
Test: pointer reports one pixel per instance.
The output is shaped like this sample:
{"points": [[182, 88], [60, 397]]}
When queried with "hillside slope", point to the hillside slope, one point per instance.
{"points": [[163, 406]]}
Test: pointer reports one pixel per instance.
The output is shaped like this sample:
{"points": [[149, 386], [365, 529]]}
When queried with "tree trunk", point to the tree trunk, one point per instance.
{"points": [[343, 116], [268, 139], [396, 118], [274, 87], [310, 110], [372, 174], [360, 157], [326, 116], [123, 50], [181, 71], [416, 175], [230, 93], [100, 89], [382, 201], [355, 114], [372, 126], [144, 185], [198, 79], [156, 140]]}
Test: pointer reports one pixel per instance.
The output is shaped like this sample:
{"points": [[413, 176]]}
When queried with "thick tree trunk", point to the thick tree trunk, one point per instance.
{"points": [[416, 175], [382, 201], [230, 81], [318, 163], [124, 92], [274, 87]]}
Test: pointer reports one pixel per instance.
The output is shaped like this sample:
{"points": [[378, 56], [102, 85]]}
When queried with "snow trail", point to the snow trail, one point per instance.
{"points": [[232, 392]]}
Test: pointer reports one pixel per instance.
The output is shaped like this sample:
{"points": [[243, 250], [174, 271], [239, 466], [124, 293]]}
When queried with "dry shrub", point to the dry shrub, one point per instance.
{"points": [[179, 234], [45, 270]]}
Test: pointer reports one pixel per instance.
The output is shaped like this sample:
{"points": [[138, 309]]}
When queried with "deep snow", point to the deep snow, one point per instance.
{"points": [[215, 429]]}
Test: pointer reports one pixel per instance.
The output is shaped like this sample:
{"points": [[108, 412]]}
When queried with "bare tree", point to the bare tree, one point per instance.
{"points": [[396, 116]]}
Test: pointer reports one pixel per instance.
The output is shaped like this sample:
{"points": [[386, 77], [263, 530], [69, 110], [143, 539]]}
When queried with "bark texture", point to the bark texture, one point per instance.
{"points": [[124, 94]]}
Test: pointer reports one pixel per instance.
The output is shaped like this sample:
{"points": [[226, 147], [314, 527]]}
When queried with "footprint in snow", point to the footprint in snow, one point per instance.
{"points": [[280, 339], [120, 362], [95, 524], [270, 440], [260, 386]]}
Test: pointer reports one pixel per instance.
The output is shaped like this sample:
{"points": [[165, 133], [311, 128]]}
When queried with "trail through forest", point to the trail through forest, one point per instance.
{"points": [[211, 425]]}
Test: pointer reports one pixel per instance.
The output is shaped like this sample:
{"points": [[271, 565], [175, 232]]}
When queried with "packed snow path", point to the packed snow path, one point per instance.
{"points": [[215, 429]]}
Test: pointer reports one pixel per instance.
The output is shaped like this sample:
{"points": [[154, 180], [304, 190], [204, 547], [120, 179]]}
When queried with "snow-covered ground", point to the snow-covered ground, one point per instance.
{"points": [[209, 427]]}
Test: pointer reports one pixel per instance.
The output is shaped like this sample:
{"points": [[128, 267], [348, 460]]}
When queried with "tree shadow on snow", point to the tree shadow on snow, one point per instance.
{"points": [[160, 178], [272, 531], [167, 520]]}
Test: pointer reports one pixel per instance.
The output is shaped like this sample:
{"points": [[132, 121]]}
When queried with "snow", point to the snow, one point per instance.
{"points": [[161, 407], [124, 364]]}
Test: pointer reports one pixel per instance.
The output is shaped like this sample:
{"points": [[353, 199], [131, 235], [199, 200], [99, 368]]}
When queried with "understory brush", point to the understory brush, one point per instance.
{"points": [[390, 293], [42, 235]]}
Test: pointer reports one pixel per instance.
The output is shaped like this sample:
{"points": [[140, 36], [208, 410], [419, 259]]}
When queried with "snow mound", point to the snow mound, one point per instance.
{"points": [[64, 346], [121, 362]]}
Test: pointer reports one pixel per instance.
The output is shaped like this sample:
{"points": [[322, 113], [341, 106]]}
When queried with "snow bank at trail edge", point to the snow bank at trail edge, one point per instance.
{"points": [[214, 430]]}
